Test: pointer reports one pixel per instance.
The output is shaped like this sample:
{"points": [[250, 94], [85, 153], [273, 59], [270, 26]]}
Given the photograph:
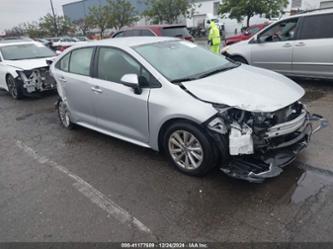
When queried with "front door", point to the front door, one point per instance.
{"points": [[118, 109], [273, 48]]}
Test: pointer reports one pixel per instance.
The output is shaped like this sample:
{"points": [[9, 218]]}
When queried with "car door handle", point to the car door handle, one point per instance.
{"points": [[287, 45], [62, 79], [300, 44], [96, 89]]}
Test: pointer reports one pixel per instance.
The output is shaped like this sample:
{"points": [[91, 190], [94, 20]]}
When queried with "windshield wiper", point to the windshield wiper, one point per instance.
{"points": [[219, 70], [184, 79]]}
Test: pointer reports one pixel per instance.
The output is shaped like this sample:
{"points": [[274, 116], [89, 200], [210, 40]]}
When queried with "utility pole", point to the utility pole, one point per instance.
{"points": [[54, 18]]}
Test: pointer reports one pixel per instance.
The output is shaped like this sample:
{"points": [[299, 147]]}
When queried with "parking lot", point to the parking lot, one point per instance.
{"points": [[59, 185]]}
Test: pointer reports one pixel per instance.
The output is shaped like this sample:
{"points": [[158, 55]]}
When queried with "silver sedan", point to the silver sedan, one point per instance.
{"points": [[199, 108]]}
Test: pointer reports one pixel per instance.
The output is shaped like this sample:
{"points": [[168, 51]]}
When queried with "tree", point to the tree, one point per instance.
{"points": [[63, 25], [239, 9], [122, 13], [168, 10], [99, 17], [83, 25], [33, 30], [15, 31]]}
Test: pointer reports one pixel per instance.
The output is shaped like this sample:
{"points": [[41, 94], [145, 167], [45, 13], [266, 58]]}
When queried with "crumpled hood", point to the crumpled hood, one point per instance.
{"points": [[28, 64], [247, 88]]}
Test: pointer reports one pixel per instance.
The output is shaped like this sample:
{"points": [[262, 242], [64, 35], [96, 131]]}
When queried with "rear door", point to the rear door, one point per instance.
{"points": [[73, 74], [313, 51], [274, 48]]}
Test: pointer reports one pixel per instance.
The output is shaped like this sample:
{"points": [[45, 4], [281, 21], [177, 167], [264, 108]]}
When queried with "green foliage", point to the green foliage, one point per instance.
{"points": [[168, 10], [122, 13], [83, 25], [32, 30], [55, 26], [239, 9], [15, 31], [99, 17]]}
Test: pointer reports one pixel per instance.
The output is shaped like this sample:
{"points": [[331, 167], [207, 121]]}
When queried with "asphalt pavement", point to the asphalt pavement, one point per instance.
{"points": [[60, 185]]}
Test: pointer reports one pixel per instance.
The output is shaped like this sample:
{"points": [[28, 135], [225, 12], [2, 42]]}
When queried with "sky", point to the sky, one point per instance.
{"points": [[14, 12]]}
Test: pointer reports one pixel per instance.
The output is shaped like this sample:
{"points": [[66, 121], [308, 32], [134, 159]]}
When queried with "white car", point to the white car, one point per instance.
{"points": [[23, 67]]}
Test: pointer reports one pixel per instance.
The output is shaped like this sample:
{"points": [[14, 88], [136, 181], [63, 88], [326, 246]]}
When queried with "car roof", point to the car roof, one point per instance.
{"points": [[154, 26], [15, 42], [315, 12], [127, 42]]}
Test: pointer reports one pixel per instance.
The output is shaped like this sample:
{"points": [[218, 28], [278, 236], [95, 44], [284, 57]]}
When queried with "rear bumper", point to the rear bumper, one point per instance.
{"points": [[270, 162]]}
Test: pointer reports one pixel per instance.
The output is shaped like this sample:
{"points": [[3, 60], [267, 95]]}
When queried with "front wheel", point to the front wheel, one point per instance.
{"points": [[64, 115], [14, 89], [189, 149]]}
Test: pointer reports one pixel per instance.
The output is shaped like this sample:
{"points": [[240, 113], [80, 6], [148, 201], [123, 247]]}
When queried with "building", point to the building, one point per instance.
{"points": [[80, 9], [205, 9]]}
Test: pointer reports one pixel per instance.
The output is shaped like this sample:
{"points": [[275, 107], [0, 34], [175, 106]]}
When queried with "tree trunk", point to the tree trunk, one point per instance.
{"points": [[248, 21]]}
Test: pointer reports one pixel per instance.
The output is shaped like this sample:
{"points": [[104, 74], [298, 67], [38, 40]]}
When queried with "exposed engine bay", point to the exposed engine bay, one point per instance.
{"points": [[261, 144], [36, 80]]}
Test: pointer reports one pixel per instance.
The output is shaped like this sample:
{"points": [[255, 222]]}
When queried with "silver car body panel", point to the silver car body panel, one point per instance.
{"points": [[108, 110], [302, 58], [265, 92]]}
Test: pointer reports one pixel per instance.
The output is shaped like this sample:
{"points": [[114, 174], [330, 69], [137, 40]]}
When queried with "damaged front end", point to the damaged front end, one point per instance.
{"points": [[36, 80], [260, 145]]}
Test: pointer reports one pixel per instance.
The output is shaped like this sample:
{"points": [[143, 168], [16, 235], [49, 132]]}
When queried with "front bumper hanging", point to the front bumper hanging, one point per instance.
{"points": [[260, 166]]}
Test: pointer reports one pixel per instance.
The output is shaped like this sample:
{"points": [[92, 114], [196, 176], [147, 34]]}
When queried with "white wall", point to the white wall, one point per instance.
{"points": [[207, 7]]}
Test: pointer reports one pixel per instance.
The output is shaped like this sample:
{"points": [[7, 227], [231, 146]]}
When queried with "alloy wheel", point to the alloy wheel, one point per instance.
{"points": [[64, 115], [12, 87], [186, 150]]}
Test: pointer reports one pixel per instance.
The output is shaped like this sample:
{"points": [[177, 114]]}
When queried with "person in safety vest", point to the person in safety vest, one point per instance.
{"points": [[214, 38]]}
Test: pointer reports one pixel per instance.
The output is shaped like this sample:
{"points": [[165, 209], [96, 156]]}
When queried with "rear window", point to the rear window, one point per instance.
{"points": [[317, 27], [175, 32], [133, 32]]}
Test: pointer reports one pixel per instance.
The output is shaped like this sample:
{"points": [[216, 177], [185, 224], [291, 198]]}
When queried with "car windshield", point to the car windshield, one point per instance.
{"points": [[26, 51], [182, 61]]}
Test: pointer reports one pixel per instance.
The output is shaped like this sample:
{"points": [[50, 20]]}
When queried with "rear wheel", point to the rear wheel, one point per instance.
{"points": [[14, 89], [189, 149], [64, 115]]}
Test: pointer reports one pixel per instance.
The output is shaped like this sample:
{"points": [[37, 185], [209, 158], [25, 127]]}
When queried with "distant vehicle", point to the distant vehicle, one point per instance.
{"points": [[300, 46], [45, 42], [246, 34], [63, 42], [81, 38], [179, 31], [199, 108], [23, 68]]}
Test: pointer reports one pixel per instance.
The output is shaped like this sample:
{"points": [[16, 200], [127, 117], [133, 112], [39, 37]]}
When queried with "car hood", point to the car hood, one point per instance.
{"points": [[247, 88], [28, 64]]}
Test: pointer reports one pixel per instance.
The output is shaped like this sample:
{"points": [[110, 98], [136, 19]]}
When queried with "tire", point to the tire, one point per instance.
{"points": [[15, 90], [64, 115], [189, 149], [240, 59]]}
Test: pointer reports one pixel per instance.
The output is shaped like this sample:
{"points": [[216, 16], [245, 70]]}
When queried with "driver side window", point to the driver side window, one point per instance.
{"points": [[282, 31], [113, 64]]}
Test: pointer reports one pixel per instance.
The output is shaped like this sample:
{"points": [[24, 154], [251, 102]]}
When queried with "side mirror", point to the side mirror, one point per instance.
{"points": [[58, 52], [247, 33], [132, 81], [49, 62]]}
